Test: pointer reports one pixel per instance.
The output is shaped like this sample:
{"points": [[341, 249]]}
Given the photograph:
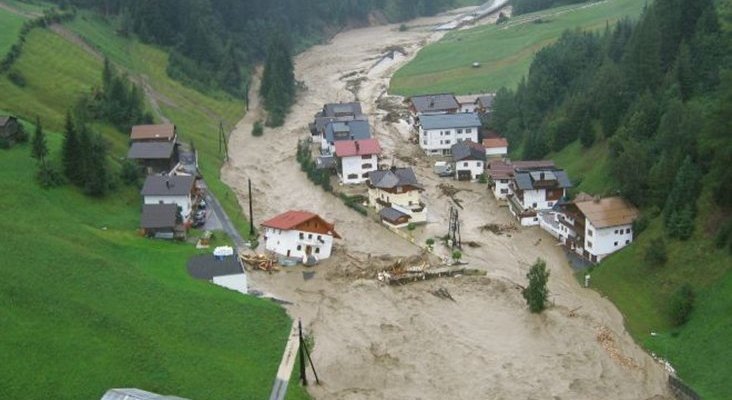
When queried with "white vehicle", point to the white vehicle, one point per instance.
{"points": [[443, 168]]}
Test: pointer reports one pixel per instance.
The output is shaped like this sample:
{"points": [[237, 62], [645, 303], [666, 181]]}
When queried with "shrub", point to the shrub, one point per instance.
{"points": [[656, 252], [682, 303], [48, 176], [502, 18], [537, 293], [403, 28], [457, 255], [4, 143], [17, 78], [21, 136], [482, 179], [257, 129], [411, 226], [641, 224], [130, 173], [430, 242]]}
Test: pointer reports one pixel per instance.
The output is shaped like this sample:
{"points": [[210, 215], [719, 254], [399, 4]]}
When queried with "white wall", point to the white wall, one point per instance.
{"points": [[405, 202], [355, 165], [184, 202], [475, 167], [439, 141], [604, 240], [280, 242], [496, 151], [467, 107], [237, 282], [537, 196], [501, 189]]}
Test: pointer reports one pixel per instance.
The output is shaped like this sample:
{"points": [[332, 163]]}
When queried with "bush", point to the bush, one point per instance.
{"points": [[403, 28], [656, 252], [21, 136], [430, 242], [257, 129], [411, 226], [130, 173], [641, 224], [682, 303], [482, 179], [537, 293], [724, 237], [48, 176], [457, 255], [17, 78], [502, 18], [4, 143]]}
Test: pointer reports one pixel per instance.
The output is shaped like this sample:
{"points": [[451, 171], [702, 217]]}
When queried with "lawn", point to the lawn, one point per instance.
{"points": [[588, 169], [11, 24], [86, 304], [504, 52], [700, 350]]}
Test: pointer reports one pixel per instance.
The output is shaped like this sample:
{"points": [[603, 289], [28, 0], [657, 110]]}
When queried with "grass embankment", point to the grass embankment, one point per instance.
{"points": [[86, 304], [503, 51], [83, 308]]}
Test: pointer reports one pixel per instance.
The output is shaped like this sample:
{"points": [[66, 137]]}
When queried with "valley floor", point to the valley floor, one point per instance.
{"points": [[374, 341]]}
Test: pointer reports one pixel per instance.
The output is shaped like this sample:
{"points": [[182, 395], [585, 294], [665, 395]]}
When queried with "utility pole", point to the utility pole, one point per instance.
{"points": [[222, 141], [251, 217], [304, 352]]}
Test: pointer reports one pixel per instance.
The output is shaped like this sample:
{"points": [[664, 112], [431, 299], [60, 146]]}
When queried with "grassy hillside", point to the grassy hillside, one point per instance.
{"points": [[85, 303], [504, 52], [10, 24]]}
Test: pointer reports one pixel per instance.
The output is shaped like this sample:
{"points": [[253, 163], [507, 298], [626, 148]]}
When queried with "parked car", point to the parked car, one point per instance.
{"points": [[443, 169]]}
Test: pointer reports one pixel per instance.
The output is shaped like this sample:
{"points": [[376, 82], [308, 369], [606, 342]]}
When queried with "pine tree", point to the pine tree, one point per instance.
{"points": [[680, 210], [98, 179], [39, 148], [85, 150], [537, 293], [71, 152], [107, 75]]}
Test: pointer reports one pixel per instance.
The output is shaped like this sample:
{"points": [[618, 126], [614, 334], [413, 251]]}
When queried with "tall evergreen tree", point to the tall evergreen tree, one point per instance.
{"points": [[71, 153], [98, 178], [39, 148], [680, 209]]}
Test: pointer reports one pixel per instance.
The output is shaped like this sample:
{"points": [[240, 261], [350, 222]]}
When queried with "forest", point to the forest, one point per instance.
{"points": [[658, 90], [228, 36]]}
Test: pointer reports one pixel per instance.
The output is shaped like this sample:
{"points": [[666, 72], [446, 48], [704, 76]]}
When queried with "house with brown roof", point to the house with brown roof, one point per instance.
{"points": [[9, 128], [153, 133], [299, 234], [495, 147], [154, 157]]}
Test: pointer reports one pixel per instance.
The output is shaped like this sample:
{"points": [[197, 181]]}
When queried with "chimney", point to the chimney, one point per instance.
{"points": [[541, 176]]}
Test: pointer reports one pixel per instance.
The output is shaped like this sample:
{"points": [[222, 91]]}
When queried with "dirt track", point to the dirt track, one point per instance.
{"points": [[377, 342]]}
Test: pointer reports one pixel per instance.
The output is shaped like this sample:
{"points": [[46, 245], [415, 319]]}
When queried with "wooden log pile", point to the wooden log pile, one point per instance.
{"points": [[261, 262]]}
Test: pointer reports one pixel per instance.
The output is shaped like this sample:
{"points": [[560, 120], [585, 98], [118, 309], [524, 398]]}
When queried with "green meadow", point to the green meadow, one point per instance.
{"points": [[504, 51], [10, 24]]}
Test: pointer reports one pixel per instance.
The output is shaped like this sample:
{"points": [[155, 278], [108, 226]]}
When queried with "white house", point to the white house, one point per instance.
{"points": [[501, 172], [496, 147], [299, 234], [343, 130], [437, 133], [357, 158], [396, 194], [469, 160], [466, 103], [171, 189], [607, 226], [334, 112], [433, 104], [535, 190]]}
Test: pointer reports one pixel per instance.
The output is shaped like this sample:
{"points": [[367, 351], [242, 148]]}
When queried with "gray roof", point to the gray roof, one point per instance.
{"points": [[4, 119], [449, 121], [485, 101], [172, 185], [321, 122], [468, 150], [325, 162], [434, 102], [151, 150], [525, 180], [391, 178], [158, 216], [207, 266], [391, 214], [347, 130], [135, 394], [336, 109]]}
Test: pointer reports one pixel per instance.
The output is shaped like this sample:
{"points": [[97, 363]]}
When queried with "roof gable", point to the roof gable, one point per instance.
{"points": [[450, 121], [348, 148], [302, 221], [156, 132]]}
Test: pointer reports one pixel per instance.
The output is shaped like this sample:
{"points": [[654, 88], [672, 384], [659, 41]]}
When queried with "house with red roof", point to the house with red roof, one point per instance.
{"points": [[356, 158], [299, 234]]}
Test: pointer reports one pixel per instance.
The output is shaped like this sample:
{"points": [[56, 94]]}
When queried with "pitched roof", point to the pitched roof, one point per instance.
{"points": [[607, 212], [171, 185], [157, 131], [158, 216], [348, 148], [448, 121], [206, 266], [321, 121], [530, 180], [528, 165], [499, 169], [391, 178], [4, 119], [486, 100], [468, 150], [434, 102], [392, 215], [347, 130], [338, 109], [493, 143], [291, 219], [151, 150]]}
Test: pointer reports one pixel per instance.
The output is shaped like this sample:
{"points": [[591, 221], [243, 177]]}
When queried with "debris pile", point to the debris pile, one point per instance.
{"points": [[498, 229], [442, 293], [260, 262], [606, 340]]}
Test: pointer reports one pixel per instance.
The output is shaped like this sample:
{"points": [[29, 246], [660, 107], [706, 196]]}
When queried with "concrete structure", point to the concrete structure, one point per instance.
{"points": [[343, 130], [397, 189], [299, 234], [496, 147], [468, 158], [356, 159], [437, 133], [178, 189]]}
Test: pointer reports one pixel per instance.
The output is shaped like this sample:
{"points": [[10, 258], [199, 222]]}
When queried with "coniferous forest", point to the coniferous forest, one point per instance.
{"points": [[658, 90]]}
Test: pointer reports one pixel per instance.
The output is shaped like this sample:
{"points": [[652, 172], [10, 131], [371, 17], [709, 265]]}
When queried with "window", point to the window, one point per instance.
{"points": [[465, 164], [442, 133], [469, 130], [616, 244], [589, 245], [368, 157], [504, 191], [310, 236], [459, 131], [317, 250], [627, 230], [367, 166], [627, 242], [533, 205], [589, 233], [299, 247], [615, 231], [352, 176], [424, 142], [549, 204], [302, 236], [320, 237], [480, 164]]}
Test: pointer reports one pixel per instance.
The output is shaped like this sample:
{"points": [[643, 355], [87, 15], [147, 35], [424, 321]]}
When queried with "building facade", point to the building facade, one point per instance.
{"points": [[397, 189], [299, 234], [438, 133]]}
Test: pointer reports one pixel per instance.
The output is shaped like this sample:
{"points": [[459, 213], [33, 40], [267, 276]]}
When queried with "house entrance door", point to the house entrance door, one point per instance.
{"points": [[308, 250]]}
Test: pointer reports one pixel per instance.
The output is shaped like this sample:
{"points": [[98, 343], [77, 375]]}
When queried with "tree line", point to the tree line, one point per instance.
{"points": [[214, 42], [657, 91]]}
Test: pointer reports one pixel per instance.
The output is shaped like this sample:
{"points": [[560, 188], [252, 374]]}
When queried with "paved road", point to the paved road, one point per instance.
{"points": [[279, 390], [226, 223]]}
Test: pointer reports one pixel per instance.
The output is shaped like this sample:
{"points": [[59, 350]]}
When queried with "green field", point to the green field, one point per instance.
{"points": [[10, 24], [504, 52], [86, 304]]}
